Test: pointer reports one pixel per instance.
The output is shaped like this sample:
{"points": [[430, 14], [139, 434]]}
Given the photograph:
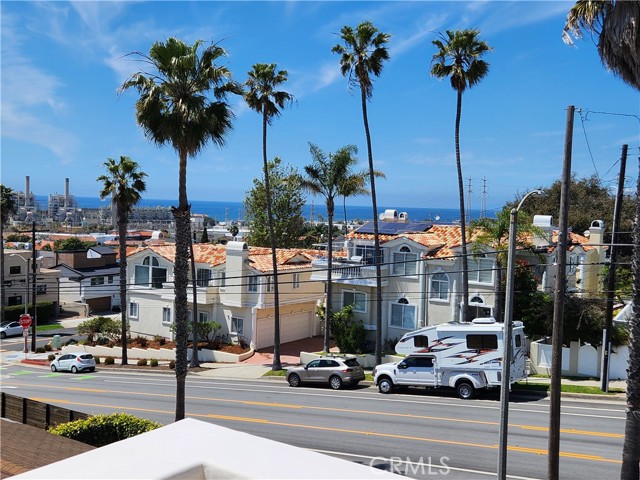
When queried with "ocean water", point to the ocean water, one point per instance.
{"points": [[233, 211]]}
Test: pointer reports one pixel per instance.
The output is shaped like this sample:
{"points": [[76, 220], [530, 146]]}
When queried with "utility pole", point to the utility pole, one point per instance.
{"points": [[553, 464], [469, 192], [483, 205], [34, 319], [611, 277]]}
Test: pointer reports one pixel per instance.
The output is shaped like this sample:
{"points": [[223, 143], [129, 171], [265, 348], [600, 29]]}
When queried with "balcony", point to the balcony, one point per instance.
{"points": [[348, 273]]}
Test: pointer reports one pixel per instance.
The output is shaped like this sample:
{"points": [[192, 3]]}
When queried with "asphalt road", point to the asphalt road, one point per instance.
{"points": [[419, 434]]}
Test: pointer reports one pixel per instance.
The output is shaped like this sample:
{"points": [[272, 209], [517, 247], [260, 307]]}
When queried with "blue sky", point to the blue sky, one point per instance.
{"points": [[62, 64]]}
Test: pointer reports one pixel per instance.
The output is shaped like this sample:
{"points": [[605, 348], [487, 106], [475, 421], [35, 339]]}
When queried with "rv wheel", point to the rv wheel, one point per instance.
{"points": [[465, 390]]}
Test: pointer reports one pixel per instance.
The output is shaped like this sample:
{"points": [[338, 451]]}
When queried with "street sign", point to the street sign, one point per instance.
{"points": [[25, 320], [25, 334]]}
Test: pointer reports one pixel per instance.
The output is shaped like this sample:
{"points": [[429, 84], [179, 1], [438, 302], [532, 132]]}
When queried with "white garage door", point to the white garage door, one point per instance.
{"points": [[292, 327]]}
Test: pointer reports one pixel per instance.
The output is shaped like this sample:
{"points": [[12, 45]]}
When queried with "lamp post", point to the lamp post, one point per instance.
{"points": [[507, 343]]}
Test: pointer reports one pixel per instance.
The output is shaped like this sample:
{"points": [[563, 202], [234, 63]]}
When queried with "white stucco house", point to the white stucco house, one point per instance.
{"points": [[234, 288]]}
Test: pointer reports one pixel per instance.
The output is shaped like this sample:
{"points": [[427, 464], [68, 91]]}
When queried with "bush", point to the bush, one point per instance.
{"points": [[109, 361], [142, 362], [97, 359], [101, 430], [40, 350], [349, 334], [142, 342], [153, 362], [48, 347], [159, 339], [98, 327], [51, 357], [172, 364]]}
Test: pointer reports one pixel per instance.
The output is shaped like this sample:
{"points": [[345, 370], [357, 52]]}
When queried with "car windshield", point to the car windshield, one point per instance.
{"points": [[351, 362], [4, 324]]}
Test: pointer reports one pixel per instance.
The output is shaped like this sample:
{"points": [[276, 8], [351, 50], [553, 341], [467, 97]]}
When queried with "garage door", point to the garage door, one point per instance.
{"points": [[102, 304], [292, 327]]}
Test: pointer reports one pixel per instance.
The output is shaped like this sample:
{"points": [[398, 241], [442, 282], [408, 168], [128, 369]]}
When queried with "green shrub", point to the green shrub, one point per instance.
{"points": [[172, 364], [143, 342], [142, 362], [109, 361], [101, 430], [48, 347], [98, 327], [159, 339], [97, 359], [51, 357], [153, 362], [40, 350]]}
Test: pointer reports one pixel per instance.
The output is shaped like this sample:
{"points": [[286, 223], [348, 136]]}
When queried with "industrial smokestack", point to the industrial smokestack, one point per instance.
{"points": [[26, 192], [66, 192]]}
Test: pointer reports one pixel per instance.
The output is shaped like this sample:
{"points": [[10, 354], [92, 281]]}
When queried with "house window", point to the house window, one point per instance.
{"points": [[222, 279], [14, 269], [269, 283], [203, 275], [253, 283], [166, 315], [439, 286], [478, 308], [97, 281], [133, 310], [14, 300], [41, 289], [150, 273], [403, 315], [296, 280], [357, 299], [367, 253], [203, 317], [481, 270], [404, 262], [110, 279], [482, 342], [237, 325]]}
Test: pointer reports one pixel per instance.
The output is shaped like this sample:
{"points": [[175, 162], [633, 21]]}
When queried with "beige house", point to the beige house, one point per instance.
{"points": [[234, 288]]}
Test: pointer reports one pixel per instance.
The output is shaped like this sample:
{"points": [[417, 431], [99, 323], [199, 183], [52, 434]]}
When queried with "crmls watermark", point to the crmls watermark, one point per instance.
{"points": [[423, 466]]}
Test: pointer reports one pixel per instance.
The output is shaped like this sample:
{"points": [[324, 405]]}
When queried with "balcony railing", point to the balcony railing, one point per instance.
{"points": [[348, 272]]}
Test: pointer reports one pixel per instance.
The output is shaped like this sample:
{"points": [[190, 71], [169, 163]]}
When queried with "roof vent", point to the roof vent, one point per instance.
{"points": [[484, 320]]}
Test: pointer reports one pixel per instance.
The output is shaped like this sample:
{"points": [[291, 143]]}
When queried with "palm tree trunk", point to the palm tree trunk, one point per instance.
{"points": [[376, 238], [344, 207], [463, 226], [327, 322], [122, 244], [631, 447], [276, 365], [180, 278]]}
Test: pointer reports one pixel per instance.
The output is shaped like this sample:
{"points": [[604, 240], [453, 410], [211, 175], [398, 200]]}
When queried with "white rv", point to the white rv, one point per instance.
{"points": [[464, 356]]}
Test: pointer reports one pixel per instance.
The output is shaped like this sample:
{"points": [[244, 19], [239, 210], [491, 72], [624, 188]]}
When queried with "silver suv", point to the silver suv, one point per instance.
{"points": [[336, 371]]}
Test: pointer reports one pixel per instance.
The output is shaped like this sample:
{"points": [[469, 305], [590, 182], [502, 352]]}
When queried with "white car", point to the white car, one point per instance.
{"points": [[10, 328], [74, 363]]}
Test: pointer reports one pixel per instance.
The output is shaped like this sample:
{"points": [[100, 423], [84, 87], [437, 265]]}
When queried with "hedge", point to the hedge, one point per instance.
{"points": [[101, 430], [44, 313]]}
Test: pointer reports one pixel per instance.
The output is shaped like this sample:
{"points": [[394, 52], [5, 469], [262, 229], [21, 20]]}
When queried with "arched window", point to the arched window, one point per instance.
{"points": [[478, 308], [404, 262], [439, 286], [150, 274], [403, 315]]}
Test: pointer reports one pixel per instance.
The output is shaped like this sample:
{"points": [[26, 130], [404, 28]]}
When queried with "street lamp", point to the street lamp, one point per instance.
{"points": [[506, 340]]}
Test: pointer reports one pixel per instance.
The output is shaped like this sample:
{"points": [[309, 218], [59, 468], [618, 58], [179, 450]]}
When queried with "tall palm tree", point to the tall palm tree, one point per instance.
{"points": [[7, 207], [459, 58], [263, 97], [324, 176], [361, 57], [124, 182], [353, 185], [631, 447], [175, 109], [493, 233], [615, 22]]}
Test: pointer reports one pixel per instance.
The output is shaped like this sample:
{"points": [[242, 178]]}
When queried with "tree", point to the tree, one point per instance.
{"points": [[361, 57], [324, 176], [287, 202], [72, 243], [124, 182], [175, 109], [615, 22], [493, 233], [204, 238], [263, 97], [459, 58], [7, 207], [353, 185]]}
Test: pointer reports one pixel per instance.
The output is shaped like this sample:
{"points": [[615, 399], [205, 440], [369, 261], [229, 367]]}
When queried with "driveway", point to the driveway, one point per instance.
{"points": [[289, 352]]}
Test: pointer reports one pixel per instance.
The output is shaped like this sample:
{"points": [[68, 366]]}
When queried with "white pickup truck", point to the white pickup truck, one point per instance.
{"points": [[422, 370]]}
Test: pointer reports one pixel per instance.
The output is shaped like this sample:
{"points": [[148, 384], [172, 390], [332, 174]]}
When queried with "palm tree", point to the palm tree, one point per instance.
{"points": [[362, 57], [174, 108], [354, 185], [458, 57], [631, 447], [124, 182], [493, 233], [616, 24], [263, 97], [7, 207], [324, 177]]}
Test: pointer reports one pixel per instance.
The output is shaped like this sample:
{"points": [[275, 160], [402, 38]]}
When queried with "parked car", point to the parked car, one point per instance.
{"points": [[74, 363], [8, 329], [335, 371]]}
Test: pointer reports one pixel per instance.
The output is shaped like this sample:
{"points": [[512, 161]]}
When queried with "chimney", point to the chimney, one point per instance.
{"points": [[545, 223], [26, 192], [596, 237], [66, 192]]}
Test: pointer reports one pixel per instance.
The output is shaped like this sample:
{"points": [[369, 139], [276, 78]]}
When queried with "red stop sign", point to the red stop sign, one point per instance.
{"points": [[25, 320]]}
